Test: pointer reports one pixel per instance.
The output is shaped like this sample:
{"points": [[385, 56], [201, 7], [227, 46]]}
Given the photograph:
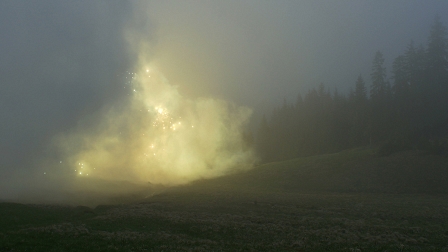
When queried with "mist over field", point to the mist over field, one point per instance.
{"points": [[206, 125], [117, 97]]}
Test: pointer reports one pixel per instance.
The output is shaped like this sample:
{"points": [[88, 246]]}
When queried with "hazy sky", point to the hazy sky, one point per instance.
{"points": [[63, 60]]}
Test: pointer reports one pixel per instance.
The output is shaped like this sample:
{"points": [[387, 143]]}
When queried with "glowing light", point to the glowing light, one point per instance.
{"points": [[165, 130]]}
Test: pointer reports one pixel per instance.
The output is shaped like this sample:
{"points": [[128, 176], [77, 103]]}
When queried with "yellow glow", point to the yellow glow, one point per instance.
{"points": [[189, 139]]}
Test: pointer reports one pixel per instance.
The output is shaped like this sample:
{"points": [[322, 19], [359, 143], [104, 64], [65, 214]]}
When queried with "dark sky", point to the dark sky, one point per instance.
{"points": [[63, 60]]}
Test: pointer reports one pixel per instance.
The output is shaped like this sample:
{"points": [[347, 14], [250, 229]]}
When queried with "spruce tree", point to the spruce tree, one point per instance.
{"points": [[437, 54], [379, 95], [378, 75], [435, 88]]}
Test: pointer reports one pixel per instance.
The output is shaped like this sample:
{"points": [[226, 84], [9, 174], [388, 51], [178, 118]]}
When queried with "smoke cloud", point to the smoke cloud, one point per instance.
{"points": [[152, 137], [160, 136]]}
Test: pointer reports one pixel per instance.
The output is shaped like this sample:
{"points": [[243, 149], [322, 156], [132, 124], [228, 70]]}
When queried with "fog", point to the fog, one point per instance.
{"points": [[161, 92]]}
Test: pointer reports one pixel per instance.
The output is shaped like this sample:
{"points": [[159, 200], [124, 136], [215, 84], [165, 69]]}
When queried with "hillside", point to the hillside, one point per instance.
{"points": [[356, 170], [321, 203]]}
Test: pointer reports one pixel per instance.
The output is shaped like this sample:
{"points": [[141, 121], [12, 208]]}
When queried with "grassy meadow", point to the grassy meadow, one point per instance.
{"points": [[348, 201]]}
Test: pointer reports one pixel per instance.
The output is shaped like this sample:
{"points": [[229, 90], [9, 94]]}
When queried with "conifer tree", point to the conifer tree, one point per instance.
{"points": [[379, 95], [378, 75], [436, 91], [359, 134], [437, 54]]}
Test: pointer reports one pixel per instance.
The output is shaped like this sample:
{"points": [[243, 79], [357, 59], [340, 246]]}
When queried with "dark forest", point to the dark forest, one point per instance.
{"points": [[407, 109]]}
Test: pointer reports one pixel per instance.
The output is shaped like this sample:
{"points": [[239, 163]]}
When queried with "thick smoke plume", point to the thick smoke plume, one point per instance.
{"points": [[153, 136], [160, 136]]}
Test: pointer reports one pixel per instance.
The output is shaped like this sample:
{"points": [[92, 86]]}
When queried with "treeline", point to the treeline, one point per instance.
{"points": [[407, 110]]}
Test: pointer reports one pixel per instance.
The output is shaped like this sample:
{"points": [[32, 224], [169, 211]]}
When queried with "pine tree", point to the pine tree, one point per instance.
{"points": [[359, 134], [435, 92], [380, 95], [437, 54], [400, 74], [415, 66], [378, 75]]}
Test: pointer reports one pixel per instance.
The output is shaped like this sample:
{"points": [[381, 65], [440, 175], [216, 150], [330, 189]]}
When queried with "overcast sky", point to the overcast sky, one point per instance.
{"points": [[63, 60]]}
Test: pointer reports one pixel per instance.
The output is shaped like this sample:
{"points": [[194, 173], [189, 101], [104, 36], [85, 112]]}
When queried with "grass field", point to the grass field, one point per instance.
{"points": [[349, 201]]}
